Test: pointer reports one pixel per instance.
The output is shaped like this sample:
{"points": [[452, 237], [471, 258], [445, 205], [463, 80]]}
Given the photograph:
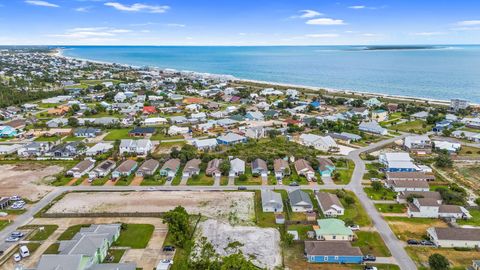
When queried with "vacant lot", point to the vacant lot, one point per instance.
{"points": [[262, 245], [27, 179], [235, 207], [412, 228], [457, 259]]}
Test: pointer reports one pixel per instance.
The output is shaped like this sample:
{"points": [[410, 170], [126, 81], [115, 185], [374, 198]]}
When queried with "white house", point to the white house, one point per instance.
{"points": [[205, 144], [455, 237], [448, 146], [139, 147], [271, 201], [120, 97], [99, 148], [372, 127], [237, 167], [176, 130], [330, 204], [430, 208], [82, 168], [322, 143], [153, 121], [407, 185]]}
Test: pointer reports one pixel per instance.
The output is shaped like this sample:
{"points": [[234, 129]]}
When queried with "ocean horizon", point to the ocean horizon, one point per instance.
{"points": [[439, 72]]}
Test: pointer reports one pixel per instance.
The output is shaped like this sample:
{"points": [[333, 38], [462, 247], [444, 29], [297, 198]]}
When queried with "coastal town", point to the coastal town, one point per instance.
{"points": [[106, 167]]}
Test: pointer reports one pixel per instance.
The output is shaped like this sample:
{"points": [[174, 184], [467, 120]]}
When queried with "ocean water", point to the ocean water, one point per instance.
{"points": [[436, 72]]}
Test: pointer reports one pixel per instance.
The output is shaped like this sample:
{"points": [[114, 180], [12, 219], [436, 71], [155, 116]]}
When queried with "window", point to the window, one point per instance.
{"points": [[336, 258], [325, 258]]}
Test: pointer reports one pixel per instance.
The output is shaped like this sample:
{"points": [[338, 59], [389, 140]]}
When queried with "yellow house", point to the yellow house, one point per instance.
{"points": [[379, 115]]}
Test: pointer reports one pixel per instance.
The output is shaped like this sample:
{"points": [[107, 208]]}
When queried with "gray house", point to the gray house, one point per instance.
{"points": [[125, 169], [237, 167], [149, 167], [300, 201], [271, 201], [259, 166], [192, 167], [102, 169], [170, 168]]}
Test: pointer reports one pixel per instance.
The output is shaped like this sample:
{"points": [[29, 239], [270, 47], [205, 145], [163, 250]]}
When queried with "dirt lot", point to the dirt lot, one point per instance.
{"points": [[234, 207], [26, 179], [406, 228], [261, 244]]}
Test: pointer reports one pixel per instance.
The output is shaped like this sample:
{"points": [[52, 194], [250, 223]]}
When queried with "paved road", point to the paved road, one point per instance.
{"points": [[394, 245]]}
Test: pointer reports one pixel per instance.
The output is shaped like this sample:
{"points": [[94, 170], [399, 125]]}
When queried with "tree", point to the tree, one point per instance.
{"points": [[225, 167], [377, 186], [443, 160], [179, 227], [438, 262], [288, 239], [204, 256], [237, 262], [73, 122], [349, 200]]}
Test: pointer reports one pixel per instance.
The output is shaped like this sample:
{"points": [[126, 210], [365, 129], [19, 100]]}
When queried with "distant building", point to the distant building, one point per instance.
{"points": [[458, 104]]}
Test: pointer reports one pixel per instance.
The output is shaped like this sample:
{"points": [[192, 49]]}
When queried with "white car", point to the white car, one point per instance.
{"points": [[17, 257], [3, 214], [354, 227]]}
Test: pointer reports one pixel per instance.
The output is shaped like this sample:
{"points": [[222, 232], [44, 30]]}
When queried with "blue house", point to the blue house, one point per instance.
{"points": [[338, 252], [8, 132], [440, 126], [315, 104], [325, 167], [231, 138]]}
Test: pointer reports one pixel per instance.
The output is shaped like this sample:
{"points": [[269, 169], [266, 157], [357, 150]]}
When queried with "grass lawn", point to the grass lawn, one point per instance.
{"points": [[150, 181], [100, 181], [345, 171], [69, 233], [469, 151], [355, 211], [371, 243], [3, 224], [52, 249], [160, 137], [47, 139], [41, 235], [114, 255], [61, 181], [383, 194], [178, 177], [135, 236], [73, 139], [124, 181], [118, 134], [200, 180], [301, 229], [412, 228], [458, 259], [263, 219], [294, 177], [391, 208], [474, 221], [251, 181], [416, 126]]}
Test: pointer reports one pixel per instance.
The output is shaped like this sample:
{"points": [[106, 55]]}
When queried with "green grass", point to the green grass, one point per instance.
{"points": [[116, 255], [47, 139], [100, 181], [200, 180], [391, 208], [345, 171], [178, 177], [125, 181], [355, 211], [135, 236], [416, 126], [73, 139], [383, 194], [39, 235], [371, 243], [69, 233], [118, 134], [61, 181], [150, 181], [474, 221], [3, 224], [52, 249], [301, 229], [263, 219]]}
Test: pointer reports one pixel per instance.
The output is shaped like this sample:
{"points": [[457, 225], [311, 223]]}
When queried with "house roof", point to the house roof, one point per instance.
{"points": [[425, 194], [302, 164], [149, 165], [271, 198], [465, 234], [171, 164], [259, 164], [280, 164], [105, 165], [332, 226], [324, 163], [142, 130], [83, 165], [331, 248], [299, 197], [328, 200], [126, 166], [192, 165], [408, 183], [409, 175], [231, 137]]}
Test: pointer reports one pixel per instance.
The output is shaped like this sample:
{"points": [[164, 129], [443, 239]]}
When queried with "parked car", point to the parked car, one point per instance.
{"points": [[17, 257], [294, 184], [3, 214], [168, 248], [24, 252], [17, 234], [354, 227], [412, 242], [242, 188], [12, 239], [369, 258], [370, 268], [15, 198], [427, 243]]}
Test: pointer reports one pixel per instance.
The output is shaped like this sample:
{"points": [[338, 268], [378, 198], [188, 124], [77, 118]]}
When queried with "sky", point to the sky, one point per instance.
{"points": [[238, 22]]}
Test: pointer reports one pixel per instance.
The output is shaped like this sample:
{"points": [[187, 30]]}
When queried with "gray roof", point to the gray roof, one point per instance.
{"points": [[192, 165], [126, 166], [299, 197], [114, 266], [331, 248], [327, 200], [465, 234], [271, 199], [59, 262], [171, 164], [149, 165]]}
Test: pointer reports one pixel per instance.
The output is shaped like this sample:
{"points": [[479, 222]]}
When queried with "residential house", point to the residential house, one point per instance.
{"points": [[472, 122], [66, 150], [148, 168], [237, 167], [34, 149], [102, 169], [17, 124], [57, 122], [468, 135], [457, 104], [192, 167], [255, 132], [442, 125], [231, 138], [141, 132], [407, 185], [392, 107], [213, 167], [88, 132], [271, 201], [149, 109], [398, 162], [332, 229], [362, 112], [430, 208], [254, 115], [303, 168], [205, 144], [8, 132], [322, 143], [345, 137], [325, 167], [475, 265], [450, 147], [176, 130], [379, 115], [138, 147], [125, 169], [338, 252], [372, 127], [412, 176], [452, 237], [259, 167], [330, 204], [99, 148], [373, 102], [406, 196], [420, 115], [155, 121], [8, 149], [170, 168], [281, 168], [419, 144], [120, 97], [82, 168], [300, 201]]}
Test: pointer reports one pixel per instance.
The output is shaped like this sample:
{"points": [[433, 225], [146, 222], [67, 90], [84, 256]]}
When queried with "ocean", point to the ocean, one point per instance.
{"points": [[434, 72]]}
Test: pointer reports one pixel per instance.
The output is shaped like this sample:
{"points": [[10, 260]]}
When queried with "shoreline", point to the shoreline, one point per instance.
{"points": [[58, 52]]}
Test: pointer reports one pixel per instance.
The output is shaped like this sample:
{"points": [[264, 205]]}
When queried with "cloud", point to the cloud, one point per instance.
{"points": [[325, 21], [357, 7], [82, 9], [175, 25], [137, 7], [308, 13], [428, 34], [322, 35], [91, 32], [469, 23], [41, 3]]}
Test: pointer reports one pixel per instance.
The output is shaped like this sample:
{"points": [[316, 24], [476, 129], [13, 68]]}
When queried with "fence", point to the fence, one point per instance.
{"points": [[102, 214]]}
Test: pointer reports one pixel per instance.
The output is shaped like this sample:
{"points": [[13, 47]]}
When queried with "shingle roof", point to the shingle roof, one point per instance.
{"points": [[467, 234], [331, 248]]}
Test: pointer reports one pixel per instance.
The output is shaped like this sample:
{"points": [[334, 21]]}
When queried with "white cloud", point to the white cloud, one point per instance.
{"points": [[41, 3], [469, 23], [325, 21], [175, 25], [369, 35], [137, 7], [91, 32], [308, 13], [322, 35], [82, 9], [428, 34], [357, 7]]}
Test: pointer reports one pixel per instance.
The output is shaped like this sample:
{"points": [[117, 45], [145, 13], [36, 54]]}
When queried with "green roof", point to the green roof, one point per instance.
{"points": [[332, 226]]}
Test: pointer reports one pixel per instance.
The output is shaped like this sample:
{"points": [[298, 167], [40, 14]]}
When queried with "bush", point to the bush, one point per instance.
{"points": [[242, 177], [438, 262]]}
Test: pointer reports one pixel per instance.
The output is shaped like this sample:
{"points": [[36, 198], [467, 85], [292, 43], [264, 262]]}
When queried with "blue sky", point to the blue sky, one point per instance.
{"points": [[238, 22]]}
